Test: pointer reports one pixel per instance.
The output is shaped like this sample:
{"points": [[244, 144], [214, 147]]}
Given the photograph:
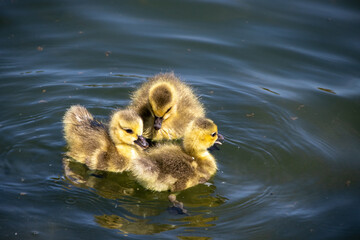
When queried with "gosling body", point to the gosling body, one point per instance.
{"points": [[100, 147], [166, 105], [174, 167]]}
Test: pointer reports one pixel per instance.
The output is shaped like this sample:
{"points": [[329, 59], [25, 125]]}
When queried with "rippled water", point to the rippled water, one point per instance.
{"points": [[280, 78]]}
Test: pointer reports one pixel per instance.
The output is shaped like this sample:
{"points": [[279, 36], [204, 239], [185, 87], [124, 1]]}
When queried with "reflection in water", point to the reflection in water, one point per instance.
{"points": [[197, 221], [133, 225], [266, 89], [326, 90], [140, 204], [103, 182]]}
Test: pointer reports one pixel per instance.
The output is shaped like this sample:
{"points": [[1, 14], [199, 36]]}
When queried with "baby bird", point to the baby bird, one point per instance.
{"points": [[166, 106], [174, 167], [103, 148]]}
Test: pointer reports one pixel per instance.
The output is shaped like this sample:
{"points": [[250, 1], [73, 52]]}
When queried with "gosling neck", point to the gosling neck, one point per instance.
{"points": [[130, 151], [194, 150], [205, 161]]}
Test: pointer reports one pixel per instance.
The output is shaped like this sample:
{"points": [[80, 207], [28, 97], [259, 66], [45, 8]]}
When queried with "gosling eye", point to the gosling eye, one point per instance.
{"points": [[168, 110], [129, 131], [213, 134]]}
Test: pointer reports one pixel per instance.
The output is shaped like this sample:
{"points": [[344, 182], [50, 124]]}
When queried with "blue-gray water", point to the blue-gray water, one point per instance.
{"points": [[280, 78]]}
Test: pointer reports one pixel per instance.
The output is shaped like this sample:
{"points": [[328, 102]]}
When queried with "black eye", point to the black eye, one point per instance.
{"points": [[168, 110], [213, 134], [129, 131]]}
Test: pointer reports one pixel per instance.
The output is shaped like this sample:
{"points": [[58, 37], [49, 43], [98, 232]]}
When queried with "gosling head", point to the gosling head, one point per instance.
{"points": [[162, 100], [201, 134], [126, 127]]}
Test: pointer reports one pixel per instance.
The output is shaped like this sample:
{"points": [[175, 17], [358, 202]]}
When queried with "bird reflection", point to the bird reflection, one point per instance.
{"points": [[143, 208], [132, 225]]}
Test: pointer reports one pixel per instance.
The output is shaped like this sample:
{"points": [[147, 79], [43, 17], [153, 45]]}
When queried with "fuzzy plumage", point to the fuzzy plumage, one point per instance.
{"points": [[173, 167], [92, 143], [168, 104]]}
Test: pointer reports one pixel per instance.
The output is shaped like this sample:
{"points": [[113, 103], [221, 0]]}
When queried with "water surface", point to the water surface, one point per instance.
{"points": [[280, 78]]}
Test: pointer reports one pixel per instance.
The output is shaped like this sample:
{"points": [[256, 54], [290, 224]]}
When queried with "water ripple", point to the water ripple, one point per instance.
{"points": [[280, 79]]}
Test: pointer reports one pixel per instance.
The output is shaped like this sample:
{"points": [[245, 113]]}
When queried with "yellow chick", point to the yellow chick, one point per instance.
{"points": [[103, 148], [173, 167], [166, 106]]}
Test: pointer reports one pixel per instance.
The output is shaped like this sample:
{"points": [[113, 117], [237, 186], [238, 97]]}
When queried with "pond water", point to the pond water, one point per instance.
{"points": [[280, 78]]}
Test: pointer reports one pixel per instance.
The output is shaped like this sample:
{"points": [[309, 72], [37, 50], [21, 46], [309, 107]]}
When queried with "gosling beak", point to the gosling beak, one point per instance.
{"points": [[142, 142], [219, 139], [158, 122]]}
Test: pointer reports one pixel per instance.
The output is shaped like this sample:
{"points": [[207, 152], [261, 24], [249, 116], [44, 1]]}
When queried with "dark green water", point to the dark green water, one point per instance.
{"points": [[280, 78]]}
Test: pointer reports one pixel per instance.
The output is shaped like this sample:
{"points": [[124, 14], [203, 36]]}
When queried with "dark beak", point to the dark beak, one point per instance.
{"points": [[142, 142], [220, 139], [217, 142], [158, 122]]}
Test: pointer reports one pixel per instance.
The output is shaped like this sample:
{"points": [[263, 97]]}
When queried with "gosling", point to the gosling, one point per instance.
{"points": [[103, 148], [166, 106], [173, 167]]}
